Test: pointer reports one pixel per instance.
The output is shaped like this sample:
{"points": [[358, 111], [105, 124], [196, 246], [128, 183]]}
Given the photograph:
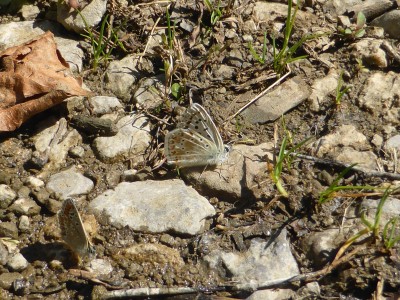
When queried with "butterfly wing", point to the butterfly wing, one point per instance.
{"points": [[198, 120], [72, 230]]}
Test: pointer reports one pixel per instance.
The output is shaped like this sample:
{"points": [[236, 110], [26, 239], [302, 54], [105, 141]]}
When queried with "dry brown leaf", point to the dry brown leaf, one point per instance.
{"points": [[34, 78]]}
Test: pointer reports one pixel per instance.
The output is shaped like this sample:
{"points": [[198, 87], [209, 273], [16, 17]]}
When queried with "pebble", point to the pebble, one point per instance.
{"points": [[7, 195], [8, 229], [17, 262], [154, 206], [24, 224], [25, 206], [101, 105], [34, 182], [69, 183]]}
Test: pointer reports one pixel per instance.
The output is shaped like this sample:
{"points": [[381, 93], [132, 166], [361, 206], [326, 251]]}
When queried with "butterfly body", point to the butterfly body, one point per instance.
{"points": [[72, 230], [196, 140]]}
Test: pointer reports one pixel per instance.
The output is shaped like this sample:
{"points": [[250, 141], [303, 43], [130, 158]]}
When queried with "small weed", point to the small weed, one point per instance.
{"points": [[261, 59], [284, 156], [285, 55], [238, 125], [340, 90], [215, 10], [171, 56], [355, 30], [369, 227], [390, 237], [334, 188], [177, 91], [102, 46]]}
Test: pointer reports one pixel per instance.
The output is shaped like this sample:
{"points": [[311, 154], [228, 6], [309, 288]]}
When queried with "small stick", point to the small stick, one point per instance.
{"points": [[148, 41], [260, 95], [366, 172], [147, 292]]}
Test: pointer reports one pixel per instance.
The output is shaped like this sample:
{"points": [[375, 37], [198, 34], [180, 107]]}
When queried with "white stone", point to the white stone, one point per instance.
{"points": [[380, 96], [29, 12], [17, 262], [154, 206], [263, 263], [24, 224], [103, 104], [146, 95], [69, 183], [7, 195], [277, 102], [321, 88], [71, 20], [100, 266], [120, 76], [34, 182], [131, 141], [229, 179]]}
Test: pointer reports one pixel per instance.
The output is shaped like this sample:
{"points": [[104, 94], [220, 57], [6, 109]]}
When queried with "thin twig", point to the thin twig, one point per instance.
{"points": [[260, 95], [148, 41], [147, 292], [365, 172]]}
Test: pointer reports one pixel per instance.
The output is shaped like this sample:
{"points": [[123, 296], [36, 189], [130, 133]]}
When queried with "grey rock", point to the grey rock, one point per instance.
{"points": [[274, 13], [339, 7], [8, 229], [146, 96], [391, 209], [53, 205], [347, 145], [24, 224], [276, 103], [224, 71], [259, 265], [7, 279], [77, 152], [100, 266], [365, 159], [234, 177], [273, 294], [370, 51], [25, 206], [393, 142], [379, 96], [34, 182], [377, 140], [321, 88], [71, 20], [320, 247], [121, 75], [7, 195], [103, 104], [52, 144], [154, 206], [371, 8], [71, 52], [390, 22], [29, 12], [69, 183], [132, 140], [17, 263], [3, 254]]}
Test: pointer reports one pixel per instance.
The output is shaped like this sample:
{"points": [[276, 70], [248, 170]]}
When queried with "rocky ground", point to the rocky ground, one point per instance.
{"points": [[257, 226]]}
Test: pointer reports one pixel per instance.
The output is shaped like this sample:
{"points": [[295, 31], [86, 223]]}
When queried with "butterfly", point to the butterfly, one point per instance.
{"points": [[196, 140], [72, 230]]}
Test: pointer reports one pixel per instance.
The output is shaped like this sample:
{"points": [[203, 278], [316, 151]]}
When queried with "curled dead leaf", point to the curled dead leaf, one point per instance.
{"points": [[34, 78]]}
